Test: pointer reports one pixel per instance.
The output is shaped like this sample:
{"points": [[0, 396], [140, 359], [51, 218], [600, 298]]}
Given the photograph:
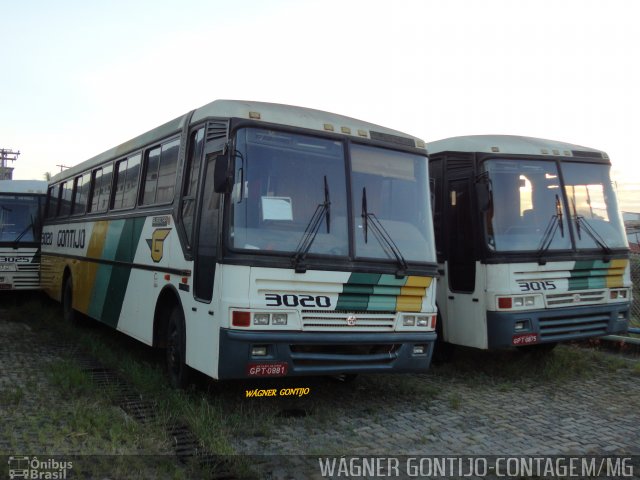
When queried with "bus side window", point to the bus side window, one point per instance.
{"points": [[80, 194], [167, 171], [52, 202], [126, 182], [207, 246], [160, 173], [96, 180], [101, 189], [65, 199], [191, 178]]}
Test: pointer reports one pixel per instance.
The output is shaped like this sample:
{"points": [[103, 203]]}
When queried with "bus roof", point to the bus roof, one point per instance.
{"points": [[513, 144], [23, 186], [265, 112]]}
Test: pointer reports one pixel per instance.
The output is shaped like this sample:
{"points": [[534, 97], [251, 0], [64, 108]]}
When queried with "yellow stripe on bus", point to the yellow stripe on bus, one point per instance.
{"points": [[85, 275], [615, 273], [408, 303]]}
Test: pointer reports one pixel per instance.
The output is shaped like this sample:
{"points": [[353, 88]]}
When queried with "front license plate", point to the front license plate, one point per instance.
{"points": [[276, 369], [525, 339]]}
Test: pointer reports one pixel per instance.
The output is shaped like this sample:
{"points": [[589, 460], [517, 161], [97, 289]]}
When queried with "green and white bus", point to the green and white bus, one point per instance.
{"points": [[530, 242], [253, 239], [21, 203]]}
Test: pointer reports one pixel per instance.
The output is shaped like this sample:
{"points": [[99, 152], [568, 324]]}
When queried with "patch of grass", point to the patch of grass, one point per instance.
{"points": [[11, 397], [511, 368], [455, 401], [69, 378]]}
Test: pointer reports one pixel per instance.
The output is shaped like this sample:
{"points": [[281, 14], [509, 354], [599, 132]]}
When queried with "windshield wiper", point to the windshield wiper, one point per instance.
{"points": [[595, 236], [311, 231], [555, 224], [22, 234], [592, 233], [382, 235]]}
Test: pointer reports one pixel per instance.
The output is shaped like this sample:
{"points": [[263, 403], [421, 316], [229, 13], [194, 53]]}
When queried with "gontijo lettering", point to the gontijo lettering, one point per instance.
{"points": [[71, 238]]}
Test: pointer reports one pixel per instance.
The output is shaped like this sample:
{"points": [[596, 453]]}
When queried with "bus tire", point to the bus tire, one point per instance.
{"points": [[177, 368], [69, 314]]}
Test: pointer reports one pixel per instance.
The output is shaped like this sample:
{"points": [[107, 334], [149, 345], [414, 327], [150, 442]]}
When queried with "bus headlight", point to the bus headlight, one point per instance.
{"points": [[408, 321], [517, 301], [261, 319], [619, 294], [279, 319]]}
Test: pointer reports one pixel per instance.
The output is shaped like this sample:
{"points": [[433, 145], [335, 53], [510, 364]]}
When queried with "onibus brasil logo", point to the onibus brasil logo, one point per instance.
{"points": [[33, 468]]}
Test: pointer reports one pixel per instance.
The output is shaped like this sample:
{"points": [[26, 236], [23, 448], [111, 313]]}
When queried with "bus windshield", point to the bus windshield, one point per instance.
{"points": [[283, 179], [526, 203], [593, 206], [18, 218], [527, 211]]}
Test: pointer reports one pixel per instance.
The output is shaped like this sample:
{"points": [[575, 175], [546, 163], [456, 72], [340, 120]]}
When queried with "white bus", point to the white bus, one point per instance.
{"points": [[530, 242], [21, 203], [253, 239]]}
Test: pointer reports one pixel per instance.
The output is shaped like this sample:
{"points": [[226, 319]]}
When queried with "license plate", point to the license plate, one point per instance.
{"points": [[525, 339], [5, 286], [276, 369]]}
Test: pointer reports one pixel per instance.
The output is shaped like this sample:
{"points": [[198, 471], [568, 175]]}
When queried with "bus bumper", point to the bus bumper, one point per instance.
{"points": [[323, 353], [507, 329]]}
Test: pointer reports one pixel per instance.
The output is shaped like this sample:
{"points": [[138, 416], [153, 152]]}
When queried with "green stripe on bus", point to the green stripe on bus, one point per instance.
{"points": [[125, 252], [368, 291], [382, 302], [589, 274], [101, 283], [352, 302]]}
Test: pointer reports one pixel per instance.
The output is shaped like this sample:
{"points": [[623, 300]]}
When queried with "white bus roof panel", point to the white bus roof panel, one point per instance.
{"points": [[291, 115], [268, 112], [23, 186], [508, 144]]}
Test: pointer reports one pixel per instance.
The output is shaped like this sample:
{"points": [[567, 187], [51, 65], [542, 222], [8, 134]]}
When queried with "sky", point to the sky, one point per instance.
{"points": [[81, 77]]}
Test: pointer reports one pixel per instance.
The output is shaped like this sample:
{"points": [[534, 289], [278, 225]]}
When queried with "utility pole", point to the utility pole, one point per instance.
{"points": [[7, 155]]}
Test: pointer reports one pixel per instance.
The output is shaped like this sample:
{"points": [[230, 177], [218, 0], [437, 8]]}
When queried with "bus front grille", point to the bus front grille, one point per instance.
{"points": [[588, 297], [571, 327], [346, 355], [343, 321]]}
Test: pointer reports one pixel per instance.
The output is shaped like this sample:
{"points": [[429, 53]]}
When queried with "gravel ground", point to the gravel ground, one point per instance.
{"points": [[594, 415]]}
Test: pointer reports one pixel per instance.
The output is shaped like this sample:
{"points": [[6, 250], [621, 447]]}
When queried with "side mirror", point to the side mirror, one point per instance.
{"points": [[483, 193], [221, 175]]}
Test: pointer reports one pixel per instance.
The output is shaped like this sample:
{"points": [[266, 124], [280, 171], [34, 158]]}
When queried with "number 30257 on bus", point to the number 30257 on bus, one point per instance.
{"points": [[273, 369]]}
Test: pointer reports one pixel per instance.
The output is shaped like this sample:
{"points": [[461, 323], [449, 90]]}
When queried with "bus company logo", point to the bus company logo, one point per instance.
{"points": [[156, 243], [25, 467], [351, 320]]}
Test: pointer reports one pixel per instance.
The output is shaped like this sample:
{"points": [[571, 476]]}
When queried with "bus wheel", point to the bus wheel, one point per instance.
{"points": [[176, 350], [69, 314]]}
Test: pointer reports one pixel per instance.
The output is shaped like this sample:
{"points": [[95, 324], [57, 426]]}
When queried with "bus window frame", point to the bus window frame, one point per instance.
{"points": [[116, 175], [143, 173]]}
